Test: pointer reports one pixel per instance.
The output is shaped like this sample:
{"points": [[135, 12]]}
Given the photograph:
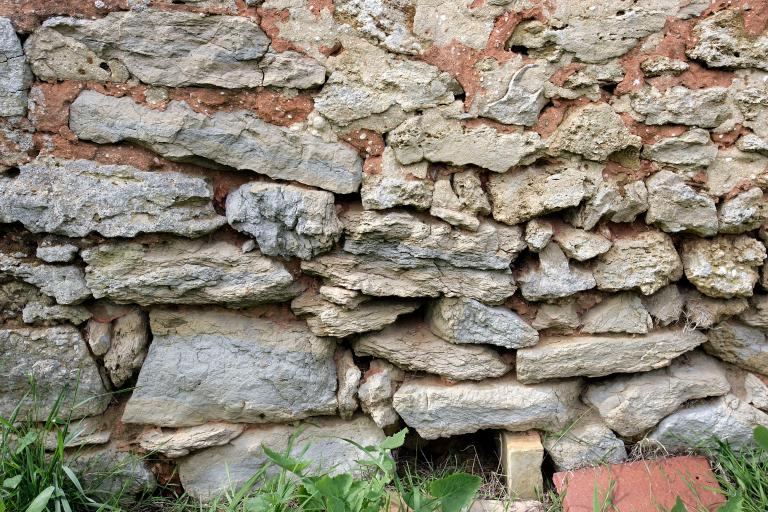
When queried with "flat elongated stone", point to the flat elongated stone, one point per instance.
{"points": [[201, 367], [676, 207], [222, 51], [210, 472], [181, 442], [593, 131], [286, 220], [439, 139], [179, 271], [65, 283], [407, 239], [594, 356], [76, 197], [412, 346], [536, 190], [632, 404], [739, 344], [647, 261], [15, 77], [235, 139], [39, 313], [726, 418], [704, 108], [436, 409], [722, 41], [462, 320], [694, 148], [623, 312], [58, 359], [724, 266], [381, 278], [328, 319]]}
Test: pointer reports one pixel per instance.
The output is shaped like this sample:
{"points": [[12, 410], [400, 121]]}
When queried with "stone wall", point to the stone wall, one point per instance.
{"points": [[456, 216]]}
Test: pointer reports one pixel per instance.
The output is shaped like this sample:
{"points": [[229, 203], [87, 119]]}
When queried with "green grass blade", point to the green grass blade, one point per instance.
{"points": [[41, 501]]}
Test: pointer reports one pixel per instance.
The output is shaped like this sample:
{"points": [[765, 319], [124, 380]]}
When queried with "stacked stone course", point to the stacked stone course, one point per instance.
{"points": [[517, 215]]}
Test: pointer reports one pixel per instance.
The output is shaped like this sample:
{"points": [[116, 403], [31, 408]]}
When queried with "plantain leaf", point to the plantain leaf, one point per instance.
{"points": [[41, 501], [455, 491]]}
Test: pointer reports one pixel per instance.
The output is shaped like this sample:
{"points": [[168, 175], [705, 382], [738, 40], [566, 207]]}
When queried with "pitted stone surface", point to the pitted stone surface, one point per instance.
{"points": [[58, 359], [286, 220], [739, 344], [723, 42], [556, 357], [462, 320], [200, 367], [65, 283], [77, 197], [186, 272], [235, 139], [396, 184], [436, 409], [15, 77], [724, 266], [705, 108], [553, 276], [630, 405], [222, 51], [412, 346], [675, 206]]}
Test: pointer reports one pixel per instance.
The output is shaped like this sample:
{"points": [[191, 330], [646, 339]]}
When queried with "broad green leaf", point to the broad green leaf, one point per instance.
{"points": [[734, 504], [29, 438], [12, 483], [455, 491], [394, 441], [761, 437], [338, 485], [41, 501], [679, 506]]}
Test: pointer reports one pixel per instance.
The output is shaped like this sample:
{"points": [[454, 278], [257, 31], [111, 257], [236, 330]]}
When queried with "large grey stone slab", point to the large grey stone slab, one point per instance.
{"points": [[286, 220], [412, 346], [179, 271], [213, 364], [436, 409], [173, 49], [374, 276], [726, 418], [213, 471], [57, 359], [461, 320], [236, 139], [76, 197], [594, 356], [408, 239], [632, 404], [15, 77]]}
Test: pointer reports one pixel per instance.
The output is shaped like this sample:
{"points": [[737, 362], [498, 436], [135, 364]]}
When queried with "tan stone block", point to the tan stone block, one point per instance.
{"points": [[521, 456]]}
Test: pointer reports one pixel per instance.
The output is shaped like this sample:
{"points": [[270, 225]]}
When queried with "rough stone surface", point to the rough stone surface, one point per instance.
{"points": [[459, 198], [15, 77], [186, 272], [557, 316], [733, 168], [588, 442], [594, 356], [692, 148], [286, 220], [610, 201], [623, 312], [77, 197], [630, 405], [757, 313], [579, 244], [518, 196], [380, 278], [553, 276], [128, 346], [743, 212], [395, 184], [739, 344], [180, 442], [705, 108], [235, 139], [325, 318], [65, 283], [723, 42], [704, 312], [593, 131], [647, 261], [436, 138], [58, 359], [538, 233], [56, 253], [297, 377], [381, 381], [462, 320], [408, 240], [726, 418], [39, 313], [212, 471], [222, 51], [348, 375], [724, 266], [676, 207], [436, 409], [412, 346]]}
